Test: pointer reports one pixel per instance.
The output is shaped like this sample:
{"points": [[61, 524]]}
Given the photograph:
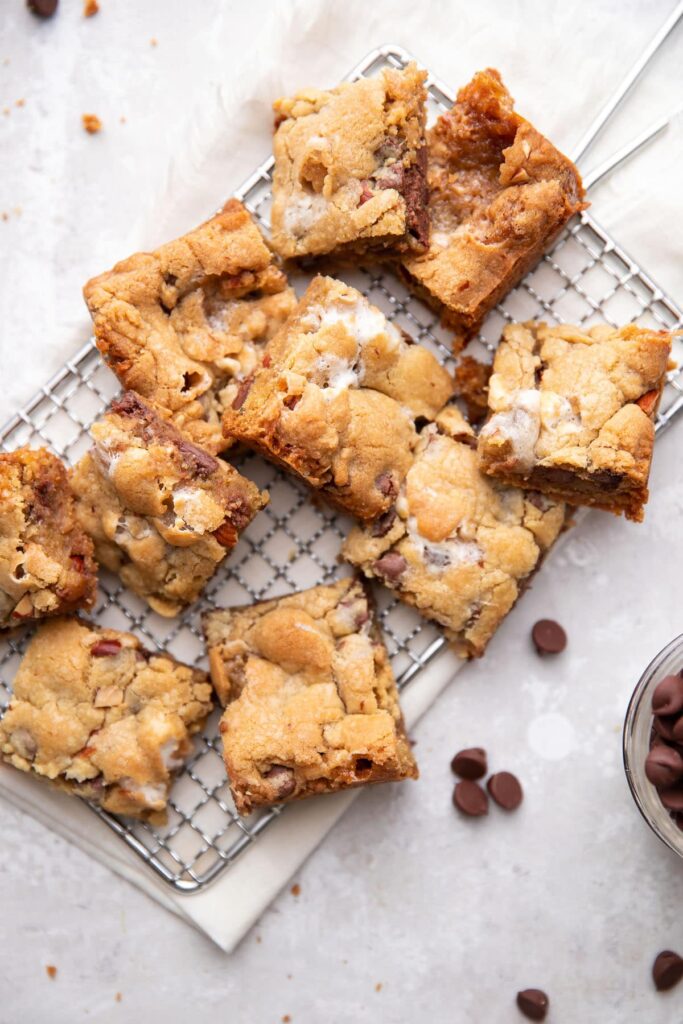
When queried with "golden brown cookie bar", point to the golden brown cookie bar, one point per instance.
{"points": [[572, 410], [180, 324], [350, 167], [162, 511], [337, 398], [311, 702], [102, 718], [457, 545], [499, 193], [46, 560]]}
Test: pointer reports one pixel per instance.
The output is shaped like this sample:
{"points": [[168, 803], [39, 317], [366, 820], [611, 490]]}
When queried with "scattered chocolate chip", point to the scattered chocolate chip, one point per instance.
{"points": [[470, 799], [283, 780], [672, 798], [663, 766], [548, 637], [667, 970], [105, 648], [533, 1003], [667, 698], [469, 763], [506, 790], [42, 8], [390, 566], [199, 461]]}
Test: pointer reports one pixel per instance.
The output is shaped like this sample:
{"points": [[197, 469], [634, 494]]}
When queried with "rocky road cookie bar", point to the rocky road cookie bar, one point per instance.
{"points": [[572, 411], [101, 717], [350, 167], [162, 511], [499, 193], [311, 702], [456, 545], [337, 398], [46, 559], [180, 324]]}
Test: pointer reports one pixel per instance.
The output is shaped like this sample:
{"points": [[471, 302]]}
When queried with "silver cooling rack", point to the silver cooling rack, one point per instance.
{"points": [[294, 544]]}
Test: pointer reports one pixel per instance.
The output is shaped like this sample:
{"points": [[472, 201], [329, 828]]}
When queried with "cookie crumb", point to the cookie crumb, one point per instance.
{"points": [[122, 119], [90, 7], [51, 971], [118, 997], [472, 385], [296, 889], [286, 1019], [153, 42], [378, 986], [91, 123], [5, 215], [6, 111], [20, 103]]}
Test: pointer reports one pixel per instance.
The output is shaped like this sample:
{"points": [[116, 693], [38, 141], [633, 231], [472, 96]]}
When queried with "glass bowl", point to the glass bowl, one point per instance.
{"points": [[636, 744]]}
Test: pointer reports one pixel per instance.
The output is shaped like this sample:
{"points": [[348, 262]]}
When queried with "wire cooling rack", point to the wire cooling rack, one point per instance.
{"points": [[294, 543]]}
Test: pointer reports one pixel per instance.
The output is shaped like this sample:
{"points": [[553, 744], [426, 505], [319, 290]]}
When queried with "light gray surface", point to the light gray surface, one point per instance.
{"points": [[572, 893]]}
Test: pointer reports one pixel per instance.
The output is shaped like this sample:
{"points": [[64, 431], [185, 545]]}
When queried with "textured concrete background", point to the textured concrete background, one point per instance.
{"points": [[450, 918]]}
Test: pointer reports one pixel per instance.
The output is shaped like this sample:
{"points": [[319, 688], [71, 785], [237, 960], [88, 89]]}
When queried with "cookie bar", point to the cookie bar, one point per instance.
{"points": [[572, 412], [311, 702], [458, 546], [46, 560], [181, 324], [350, 167], [162, 511], [499, 193], [337, 398], [102, 718]]}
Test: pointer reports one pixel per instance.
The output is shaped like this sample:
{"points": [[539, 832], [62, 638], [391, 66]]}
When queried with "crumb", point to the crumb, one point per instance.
{"points": [[5, 215], [286, 1019], [17, 210], [51, 971], [296, 889], [292, 554], [472, 385], [90, 7], [91, 123], [289, 976], [6, 61], [118, 997], [20, 103], [378, 986], [6, 111], [122, 119], [153, 42], [258, 938]]}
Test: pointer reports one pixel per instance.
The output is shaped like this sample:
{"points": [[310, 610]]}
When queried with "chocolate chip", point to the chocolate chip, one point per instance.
{"points": [[506, 790], [282, 779], [383, 523], [226, 534], [200, 462], [533, 1003], [242, 392], [386, 484], [667, 970], [677, 728], [667, 698], [390, 566], [664, 725], [548, 637], [663, 766], [672, 798], [470, 799], [42, 8], [469, 763], [105, 648]]}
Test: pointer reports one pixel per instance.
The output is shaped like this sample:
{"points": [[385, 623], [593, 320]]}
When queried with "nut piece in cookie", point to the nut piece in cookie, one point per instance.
{"points": [[337, 398], [162, 511], [572, 412], [102, 718], [46, 559], [350, 167], [311, 702], [182, 324], [456, 545], [499, 194]]}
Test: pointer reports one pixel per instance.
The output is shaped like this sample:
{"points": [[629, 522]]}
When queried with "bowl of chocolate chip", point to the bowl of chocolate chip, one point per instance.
{"points": [[653, 745]]}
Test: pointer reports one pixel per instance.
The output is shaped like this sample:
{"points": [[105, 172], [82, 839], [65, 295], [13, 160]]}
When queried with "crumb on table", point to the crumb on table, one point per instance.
{"points": [[92, 123], [296, 889], [90, 7], [51, 971]]}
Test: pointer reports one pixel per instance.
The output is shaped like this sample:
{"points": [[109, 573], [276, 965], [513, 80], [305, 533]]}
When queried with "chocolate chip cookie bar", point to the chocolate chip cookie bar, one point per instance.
{"points": [[180, 325], [458, 546], [499, 193], [102, 718], [311, 702], [337, 397], [162, 511], [572, 411], [46, 559], [350, 167]]}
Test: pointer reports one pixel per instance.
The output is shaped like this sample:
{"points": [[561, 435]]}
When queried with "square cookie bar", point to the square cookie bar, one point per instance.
{"points": [[181, 324], [350, 167], [46, 559], [337, 399], [102, 718], [499, 193], [456, 545], [572, 412], [311, 702], [162, 511]]}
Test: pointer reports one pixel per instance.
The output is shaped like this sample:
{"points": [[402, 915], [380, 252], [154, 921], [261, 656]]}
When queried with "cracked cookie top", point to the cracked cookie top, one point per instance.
{"points": [[46, 559], [103, 718], [337, 398], [311, 702], [163, 512], [181, 324], [350, 166], [456, 545]]}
